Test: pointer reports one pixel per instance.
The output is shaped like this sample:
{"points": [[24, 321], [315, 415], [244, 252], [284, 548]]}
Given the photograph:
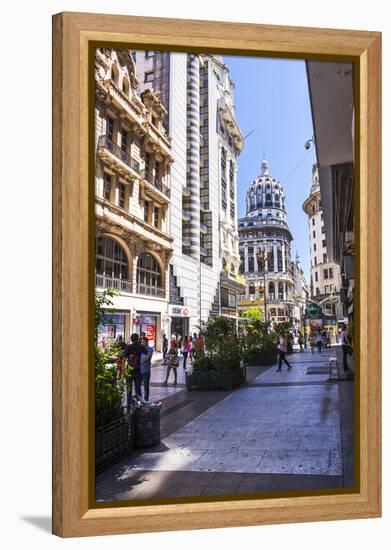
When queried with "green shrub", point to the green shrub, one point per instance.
{"points": [[255, 337], [222, 350], [109, 393]]}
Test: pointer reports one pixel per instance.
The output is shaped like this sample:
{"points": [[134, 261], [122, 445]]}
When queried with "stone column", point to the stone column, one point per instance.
{"points": [[275, 257], [283, 258], [246, 259], [255, 260]]}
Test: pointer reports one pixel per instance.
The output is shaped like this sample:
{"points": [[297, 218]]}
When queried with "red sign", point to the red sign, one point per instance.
{"points": [[150, 332]]}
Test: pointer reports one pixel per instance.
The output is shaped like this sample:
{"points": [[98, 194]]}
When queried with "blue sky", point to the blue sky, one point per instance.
{"points": [[271, 99]]}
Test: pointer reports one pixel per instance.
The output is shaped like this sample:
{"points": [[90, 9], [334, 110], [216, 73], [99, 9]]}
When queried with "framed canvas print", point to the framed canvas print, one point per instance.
{"points": [[216, 229]]}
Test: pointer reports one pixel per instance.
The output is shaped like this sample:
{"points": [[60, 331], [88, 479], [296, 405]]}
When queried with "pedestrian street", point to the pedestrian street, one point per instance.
{"points": [[279, 430]]}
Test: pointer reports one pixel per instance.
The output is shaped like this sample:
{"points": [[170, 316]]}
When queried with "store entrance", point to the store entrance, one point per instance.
{"points": [[180, 326]]}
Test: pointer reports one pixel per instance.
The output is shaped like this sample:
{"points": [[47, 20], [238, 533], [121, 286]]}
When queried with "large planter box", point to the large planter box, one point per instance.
{"points": [[215, 380], [261, 359], [113, 441]]}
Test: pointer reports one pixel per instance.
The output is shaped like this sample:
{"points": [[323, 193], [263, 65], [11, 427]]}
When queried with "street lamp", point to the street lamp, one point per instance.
{"points": [[261, 259]]}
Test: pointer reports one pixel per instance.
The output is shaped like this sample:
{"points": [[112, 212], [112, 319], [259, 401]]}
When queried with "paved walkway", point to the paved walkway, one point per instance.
{"points": [[280, 431]]}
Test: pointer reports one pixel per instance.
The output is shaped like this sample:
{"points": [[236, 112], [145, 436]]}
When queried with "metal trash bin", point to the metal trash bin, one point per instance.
{"points": [[146, 423]]}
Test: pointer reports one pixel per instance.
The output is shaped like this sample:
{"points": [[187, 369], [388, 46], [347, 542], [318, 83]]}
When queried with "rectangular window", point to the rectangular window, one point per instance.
{"points": [[325, 258], [324, 243], [331, 273], [106, 186], [313, 234], [313, 221], [314, 247], [121, 195], [326, 273], [146, 211], [110, 127], [315, 261], [156, 215], [316, 276], [124, 139], [326, 289], [323, 229], [148, 77]]}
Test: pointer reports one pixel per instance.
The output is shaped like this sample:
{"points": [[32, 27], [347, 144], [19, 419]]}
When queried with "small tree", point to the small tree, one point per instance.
{"points": [[108, 392], [255, 336]]}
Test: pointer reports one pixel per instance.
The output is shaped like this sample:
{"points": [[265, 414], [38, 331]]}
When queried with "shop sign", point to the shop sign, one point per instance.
{"points": [[313, 308], [150, 332], [179, 311]]}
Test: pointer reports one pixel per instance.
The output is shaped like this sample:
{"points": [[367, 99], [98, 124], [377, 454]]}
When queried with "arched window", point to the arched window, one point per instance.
{"points": [[148, 273], [114, 74], [125, 86], [111, 259], [232, 268], [280, 291], [272, 292]]}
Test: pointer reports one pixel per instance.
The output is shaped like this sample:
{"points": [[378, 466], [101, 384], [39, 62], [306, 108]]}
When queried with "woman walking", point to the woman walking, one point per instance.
{"points": [[172, 362], [300, 341], [185, 349], [319, 342], [282, 346]]}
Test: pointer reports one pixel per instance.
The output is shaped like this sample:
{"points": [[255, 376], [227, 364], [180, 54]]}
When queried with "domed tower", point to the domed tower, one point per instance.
{"points": [[265, 249]]}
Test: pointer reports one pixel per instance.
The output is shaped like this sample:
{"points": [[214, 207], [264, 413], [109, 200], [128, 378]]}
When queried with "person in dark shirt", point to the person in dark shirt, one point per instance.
{"points": [[132, 355]]}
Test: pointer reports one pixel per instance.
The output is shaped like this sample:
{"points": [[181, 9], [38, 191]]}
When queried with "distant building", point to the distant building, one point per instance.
{"points": [[325, 279], [332, 105], [265, 250]]}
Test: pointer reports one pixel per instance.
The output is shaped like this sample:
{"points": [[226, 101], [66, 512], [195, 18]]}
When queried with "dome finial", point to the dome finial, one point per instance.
{"points": [[265, 167]]}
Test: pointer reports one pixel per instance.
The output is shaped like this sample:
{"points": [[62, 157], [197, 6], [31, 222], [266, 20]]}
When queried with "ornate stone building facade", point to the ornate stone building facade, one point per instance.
{"points": [[132, 198], [265, 250], [325, 274]]}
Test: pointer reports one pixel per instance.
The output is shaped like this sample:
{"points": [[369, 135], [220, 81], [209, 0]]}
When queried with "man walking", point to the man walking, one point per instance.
{"points": [[347, 347], [132, 355]]}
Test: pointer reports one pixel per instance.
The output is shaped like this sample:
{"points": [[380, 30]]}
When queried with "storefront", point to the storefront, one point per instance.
{"points": [[180, 317], [150, 324], [114, 325]]}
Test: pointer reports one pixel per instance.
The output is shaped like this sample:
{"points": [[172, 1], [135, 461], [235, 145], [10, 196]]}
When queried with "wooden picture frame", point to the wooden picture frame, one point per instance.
{"points": [[73, 512]]}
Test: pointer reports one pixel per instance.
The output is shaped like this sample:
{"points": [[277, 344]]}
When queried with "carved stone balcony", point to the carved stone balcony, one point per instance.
{"points": [[117, 159], [154, 187]]}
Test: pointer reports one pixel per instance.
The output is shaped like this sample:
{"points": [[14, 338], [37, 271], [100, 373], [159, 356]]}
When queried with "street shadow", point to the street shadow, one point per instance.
{"points": [[44, 523]]}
